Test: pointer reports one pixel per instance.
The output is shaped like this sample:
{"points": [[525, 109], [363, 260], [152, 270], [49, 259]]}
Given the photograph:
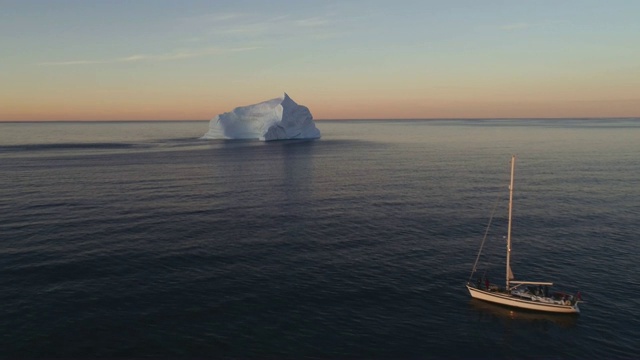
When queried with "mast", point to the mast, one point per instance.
{"points": [[513, 167]]}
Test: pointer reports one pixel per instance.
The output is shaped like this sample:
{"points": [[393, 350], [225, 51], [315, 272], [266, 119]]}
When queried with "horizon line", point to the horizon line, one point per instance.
{"points": [[341, 119]]}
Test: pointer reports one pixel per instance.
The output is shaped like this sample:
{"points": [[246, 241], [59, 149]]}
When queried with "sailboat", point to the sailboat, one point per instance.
{"points": [[531, 295]]}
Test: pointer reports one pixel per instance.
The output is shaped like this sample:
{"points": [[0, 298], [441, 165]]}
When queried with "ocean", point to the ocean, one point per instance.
{"points": [[138, 239]]}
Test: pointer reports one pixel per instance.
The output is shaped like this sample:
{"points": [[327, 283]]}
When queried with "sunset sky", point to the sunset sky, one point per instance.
{"points": [[344, 59]]}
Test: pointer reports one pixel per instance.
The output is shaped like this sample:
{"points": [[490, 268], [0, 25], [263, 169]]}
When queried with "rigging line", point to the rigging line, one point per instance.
{"points": [[486, 232]]}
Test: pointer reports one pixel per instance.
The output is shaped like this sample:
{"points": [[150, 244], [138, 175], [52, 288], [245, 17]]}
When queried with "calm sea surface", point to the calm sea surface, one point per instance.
{"points": [[140, 240]]}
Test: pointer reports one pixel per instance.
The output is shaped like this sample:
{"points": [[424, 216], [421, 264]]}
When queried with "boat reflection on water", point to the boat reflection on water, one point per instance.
{"points": [[504, 313]]}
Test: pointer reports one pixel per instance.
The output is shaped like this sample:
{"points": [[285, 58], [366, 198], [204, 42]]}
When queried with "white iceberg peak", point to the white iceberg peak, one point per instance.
{"points": [[276, 119]]}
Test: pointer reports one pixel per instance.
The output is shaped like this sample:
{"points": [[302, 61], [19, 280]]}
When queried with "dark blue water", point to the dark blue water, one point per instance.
{"points": [[139, 240]]}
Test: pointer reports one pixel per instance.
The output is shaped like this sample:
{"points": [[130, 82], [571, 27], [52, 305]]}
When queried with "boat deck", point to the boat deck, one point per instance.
{"points": [[525, 299]]}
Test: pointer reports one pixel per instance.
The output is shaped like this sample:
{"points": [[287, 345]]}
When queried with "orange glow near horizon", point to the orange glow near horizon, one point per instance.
{"points": [[354, 109], [383, 97]]}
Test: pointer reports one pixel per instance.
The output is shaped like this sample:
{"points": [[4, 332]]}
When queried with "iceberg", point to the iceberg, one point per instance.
{"points": [[276, 119]]}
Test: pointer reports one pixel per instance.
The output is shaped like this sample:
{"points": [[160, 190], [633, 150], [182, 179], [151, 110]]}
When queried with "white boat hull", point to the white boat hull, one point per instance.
{"points": [[514, 301]]}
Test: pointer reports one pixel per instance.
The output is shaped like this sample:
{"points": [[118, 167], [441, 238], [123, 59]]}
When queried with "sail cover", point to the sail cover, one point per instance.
{"points": [[510, 273]]}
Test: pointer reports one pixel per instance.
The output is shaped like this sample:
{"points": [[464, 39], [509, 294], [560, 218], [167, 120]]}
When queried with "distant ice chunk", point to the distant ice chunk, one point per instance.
{"points": [[276, 119]]}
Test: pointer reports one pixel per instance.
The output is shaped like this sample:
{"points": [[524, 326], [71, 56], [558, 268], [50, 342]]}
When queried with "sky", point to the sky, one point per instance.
{"points": [[344, 59]]}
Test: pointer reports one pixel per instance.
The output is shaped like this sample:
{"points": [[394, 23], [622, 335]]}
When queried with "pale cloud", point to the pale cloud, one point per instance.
{"points": [[255, 25], [515, 26], [213, 18], [253, 28], [194, 39], [227, 16], [312, 22], [245, 29], [151, 57]]}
